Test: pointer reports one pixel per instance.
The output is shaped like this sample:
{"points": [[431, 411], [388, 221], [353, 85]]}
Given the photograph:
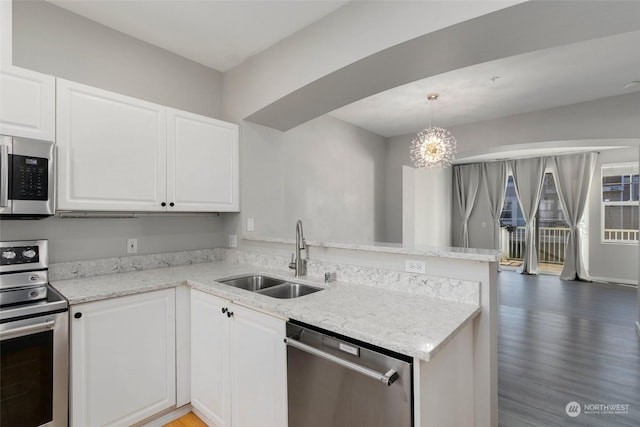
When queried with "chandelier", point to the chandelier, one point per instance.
{"points": [[433, 147]]}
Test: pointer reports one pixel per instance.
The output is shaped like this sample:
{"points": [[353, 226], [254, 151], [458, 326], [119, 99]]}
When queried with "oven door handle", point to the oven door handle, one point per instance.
{"points": [[4, 176], [389, 378], [27, 330]]}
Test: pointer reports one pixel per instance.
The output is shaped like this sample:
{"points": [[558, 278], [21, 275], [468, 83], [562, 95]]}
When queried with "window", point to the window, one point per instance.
{"points": [[620, 191]]}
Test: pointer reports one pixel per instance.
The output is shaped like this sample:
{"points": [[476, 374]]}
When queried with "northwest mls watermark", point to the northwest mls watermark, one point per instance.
{"points": [[573, 409]]}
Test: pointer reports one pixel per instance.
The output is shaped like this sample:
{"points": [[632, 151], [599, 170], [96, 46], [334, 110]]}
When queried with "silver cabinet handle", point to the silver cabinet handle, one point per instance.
{"points": [[26, 330], [4, 176], [389, 378]]}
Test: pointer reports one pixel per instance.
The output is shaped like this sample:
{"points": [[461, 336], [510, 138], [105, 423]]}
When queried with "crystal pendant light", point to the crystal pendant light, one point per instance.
{"points": [[433, 147]]}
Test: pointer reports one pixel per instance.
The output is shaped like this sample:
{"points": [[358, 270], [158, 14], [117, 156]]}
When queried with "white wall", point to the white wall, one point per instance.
{"points": [[426, 207], [54, 41], [326, 172]]}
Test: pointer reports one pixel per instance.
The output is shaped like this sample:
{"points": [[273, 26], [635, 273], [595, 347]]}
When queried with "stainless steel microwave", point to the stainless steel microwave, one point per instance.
{"points": [[27, 178]]}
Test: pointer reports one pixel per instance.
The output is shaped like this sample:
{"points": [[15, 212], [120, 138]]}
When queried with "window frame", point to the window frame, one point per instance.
{"points": [[634, 170]]}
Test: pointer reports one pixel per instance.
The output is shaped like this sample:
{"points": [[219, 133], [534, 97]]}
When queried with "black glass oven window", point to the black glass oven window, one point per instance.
{"points": [[26, 380], [29, 178]]}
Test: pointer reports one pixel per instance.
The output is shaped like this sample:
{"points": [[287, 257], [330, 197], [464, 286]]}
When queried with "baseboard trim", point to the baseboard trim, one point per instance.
{"points": [[638, 329], [168, 417], [615, 281]]}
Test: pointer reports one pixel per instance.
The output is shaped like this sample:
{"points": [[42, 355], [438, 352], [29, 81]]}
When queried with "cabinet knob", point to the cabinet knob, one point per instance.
{"points": [[163, 204], [77, 315], [224, 310], [229, 314], [172, 204]]}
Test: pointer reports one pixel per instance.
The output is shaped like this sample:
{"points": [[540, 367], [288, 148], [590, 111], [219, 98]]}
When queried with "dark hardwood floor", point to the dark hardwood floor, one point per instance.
{"points": [[560, 342]]}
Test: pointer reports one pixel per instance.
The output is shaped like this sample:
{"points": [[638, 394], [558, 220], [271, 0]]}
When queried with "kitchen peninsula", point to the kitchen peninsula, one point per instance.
{"points": [[437, 320]]}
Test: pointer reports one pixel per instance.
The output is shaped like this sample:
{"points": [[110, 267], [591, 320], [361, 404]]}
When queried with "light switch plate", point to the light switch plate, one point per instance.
{"points": [[233, 241], [250, 224]]}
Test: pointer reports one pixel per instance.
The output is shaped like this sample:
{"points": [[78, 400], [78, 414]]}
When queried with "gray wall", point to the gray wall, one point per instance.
{"points": [[72, 239], [326, 172], [609, 260], [54, 41], [614, 117]]}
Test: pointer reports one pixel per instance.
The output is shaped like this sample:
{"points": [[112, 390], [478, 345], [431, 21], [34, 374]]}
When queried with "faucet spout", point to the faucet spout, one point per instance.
{"points": [[298, 264]]}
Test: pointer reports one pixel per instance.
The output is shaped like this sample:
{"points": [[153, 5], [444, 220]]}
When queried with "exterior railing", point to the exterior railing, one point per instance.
{"points": [[614, 235], [552, 242]]}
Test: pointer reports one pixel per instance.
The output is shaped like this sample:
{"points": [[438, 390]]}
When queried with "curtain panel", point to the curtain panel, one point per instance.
{"points": [[494, 177], [528, 178], [573, 175], [466, 183]]}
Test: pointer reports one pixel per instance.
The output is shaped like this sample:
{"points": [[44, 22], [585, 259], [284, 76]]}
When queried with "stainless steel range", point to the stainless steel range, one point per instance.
{"points": [[34, 343]]}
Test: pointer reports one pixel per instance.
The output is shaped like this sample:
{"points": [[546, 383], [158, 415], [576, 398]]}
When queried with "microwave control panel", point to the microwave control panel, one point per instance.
{"points": [[29, 178]]}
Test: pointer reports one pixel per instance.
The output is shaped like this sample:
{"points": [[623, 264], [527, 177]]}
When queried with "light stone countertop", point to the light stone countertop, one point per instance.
{"points": [[473, 254], [415, 325]]}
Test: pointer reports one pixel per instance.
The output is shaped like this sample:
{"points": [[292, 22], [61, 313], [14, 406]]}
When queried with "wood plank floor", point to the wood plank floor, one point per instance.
{"points": [[188, 420], [560, 342]]}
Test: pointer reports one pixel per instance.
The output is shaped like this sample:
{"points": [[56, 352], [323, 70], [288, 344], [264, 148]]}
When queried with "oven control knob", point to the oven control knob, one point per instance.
{"points": [[29, 253], [8, 254]]}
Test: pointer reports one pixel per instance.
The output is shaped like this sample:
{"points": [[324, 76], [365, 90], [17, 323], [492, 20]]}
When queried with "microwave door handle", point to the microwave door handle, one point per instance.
{"points": [[4, 176]]}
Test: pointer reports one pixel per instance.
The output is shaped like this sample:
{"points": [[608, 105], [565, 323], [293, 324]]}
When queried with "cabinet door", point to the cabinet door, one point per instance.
{"points": [[202, 163], [210, 392], [111, 151], [27, 104], [259, 359], [122, 359]]}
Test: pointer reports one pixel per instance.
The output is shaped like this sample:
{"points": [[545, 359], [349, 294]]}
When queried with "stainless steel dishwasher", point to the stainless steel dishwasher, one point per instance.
{"points": [[335, 381]]}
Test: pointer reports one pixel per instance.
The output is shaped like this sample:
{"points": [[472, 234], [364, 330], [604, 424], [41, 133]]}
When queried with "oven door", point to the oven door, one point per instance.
{"points": [[34, 371]]}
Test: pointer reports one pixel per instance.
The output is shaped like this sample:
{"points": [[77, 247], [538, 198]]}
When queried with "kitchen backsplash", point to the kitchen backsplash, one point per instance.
{"points": [[462, 291]]}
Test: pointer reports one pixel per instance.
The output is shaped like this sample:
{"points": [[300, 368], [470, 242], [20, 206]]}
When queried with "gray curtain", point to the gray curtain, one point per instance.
{"points": [[573, 175], [494, 176], [466, 183], [528, 177]]}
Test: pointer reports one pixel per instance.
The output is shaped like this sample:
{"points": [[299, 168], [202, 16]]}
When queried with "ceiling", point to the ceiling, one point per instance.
{"points": [[539, 80], [222, 34], [218, 34]]}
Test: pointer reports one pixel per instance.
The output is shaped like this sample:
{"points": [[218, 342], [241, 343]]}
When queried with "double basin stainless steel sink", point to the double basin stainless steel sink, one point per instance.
{"points": [[270, 286]]}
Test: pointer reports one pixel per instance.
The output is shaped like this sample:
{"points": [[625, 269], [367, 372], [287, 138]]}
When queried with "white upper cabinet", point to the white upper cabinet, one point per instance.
{"points": [[27, 104], [118, 153], [202, 163], [111, 151]]}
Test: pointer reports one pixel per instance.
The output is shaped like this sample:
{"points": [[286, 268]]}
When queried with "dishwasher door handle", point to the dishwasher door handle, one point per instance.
{"points": [[389, 378]]}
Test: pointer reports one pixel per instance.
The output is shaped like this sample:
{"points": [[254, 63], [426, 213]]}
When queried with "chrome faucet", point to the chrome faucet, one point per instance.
{"points": [[298, 264]]}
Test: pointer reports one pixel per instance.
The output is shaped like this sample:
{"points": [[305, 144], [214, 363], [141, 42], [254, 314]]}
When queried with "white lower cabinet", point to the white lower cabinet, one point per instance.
{"points": [[238, 364], [123, 363]]}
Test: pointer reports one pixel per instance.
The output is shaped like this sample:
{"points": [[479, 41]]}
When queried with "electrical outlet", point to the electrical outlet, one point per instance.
{"points": [[250, 224], [233, 241], [414, 266], [132, 246]]}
